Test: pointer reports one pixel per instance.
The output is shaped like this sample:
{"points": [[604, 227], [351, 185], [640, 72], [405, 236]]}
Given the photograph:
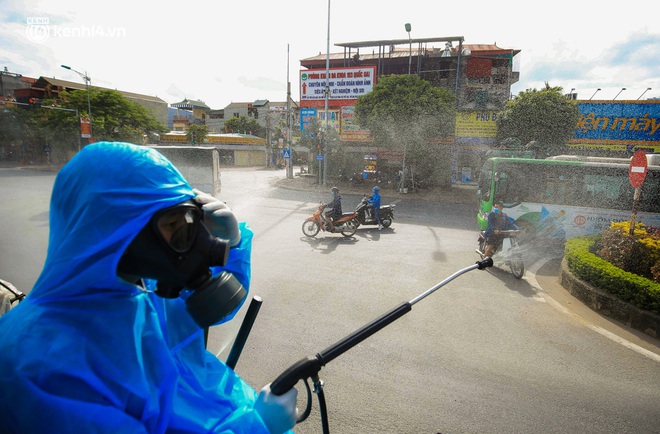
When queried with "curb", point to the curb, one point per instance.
{"points": [[457, 195], [608, 305]]}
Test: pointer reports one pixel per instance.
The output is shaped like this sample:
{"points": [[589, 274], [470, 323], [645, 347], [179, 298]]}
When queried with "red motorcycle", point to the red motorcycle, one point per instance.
{"points": [[346, 225]]}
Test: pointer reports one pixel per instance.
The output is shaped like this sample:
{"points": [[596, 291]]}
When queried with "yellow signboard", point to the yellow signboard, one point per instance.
{"points": [[476, 124]]}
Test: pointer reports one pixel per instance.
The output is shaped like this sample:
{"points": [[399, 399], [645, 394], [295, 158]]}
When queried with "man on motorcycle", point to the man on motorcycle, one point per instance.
{"points": [[375, 203], [335, 208], [497, 221]]}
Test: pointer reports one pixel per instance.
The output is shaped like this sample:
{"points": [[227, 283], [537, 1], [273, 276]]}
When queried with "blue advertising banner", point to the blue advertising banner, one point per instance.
{"points": [[618, 123], [307, 115]]}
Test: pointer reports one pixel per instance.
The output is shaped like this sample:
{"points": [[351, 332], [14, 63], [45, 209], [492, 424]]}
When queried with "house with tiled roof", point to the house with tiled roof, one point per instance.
{"points": [[50, 88]]}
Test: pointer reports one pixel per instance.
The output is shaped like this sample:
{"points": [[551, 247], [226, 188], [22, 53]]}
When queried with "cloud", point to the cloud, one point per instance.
{"points": [[262, 83], [627, 63]]}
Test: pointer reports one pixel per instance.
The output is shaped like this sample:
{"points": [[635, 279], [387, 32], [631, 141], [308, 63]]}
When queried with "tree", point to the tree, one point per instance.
{"points": [[243, 125], [540, 119], [407, 113], [114, 117], [197, 134]]}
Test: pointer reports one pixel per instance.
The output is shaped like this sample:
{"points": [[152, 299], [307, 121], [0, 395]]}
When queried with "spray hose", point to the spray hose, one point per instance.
{"points": [[309, 367]]}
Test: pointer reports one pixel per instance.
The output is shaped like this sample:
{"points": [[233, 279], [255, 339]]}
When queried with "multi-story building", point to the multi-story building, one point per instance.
{"points": [[10, 81], [199, 110], [480, 75]]}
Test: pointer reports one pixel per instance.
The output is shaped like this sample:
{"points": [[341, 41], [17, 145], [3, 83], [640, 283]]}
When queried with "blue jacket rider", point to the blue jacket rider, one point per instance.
{"points": [[375, 202], [497, 221], [90, 349]]}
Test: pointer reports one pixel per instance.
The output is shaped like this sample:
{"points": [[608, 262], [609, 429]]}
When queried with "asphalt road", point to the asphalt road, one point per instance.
{"points": [[485, 353]]}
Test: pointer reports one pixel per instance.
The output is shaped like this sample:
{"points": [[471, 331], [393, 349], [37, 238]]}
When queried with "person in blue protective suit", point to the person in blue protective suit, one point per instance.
{"points": [[374, 200], [111, 337]]}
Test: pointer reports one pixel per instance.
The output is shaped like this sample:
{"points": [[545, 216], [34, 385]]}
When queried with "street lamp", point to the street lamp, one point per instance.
{"points": [[592, 96], [88, 81], [647, 89], [408, 29], [622, 89]]}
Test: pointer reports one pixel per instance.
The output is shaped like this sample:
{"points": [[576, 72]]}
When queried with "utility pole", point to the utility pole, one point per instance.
{"points": [[88, 82], [289, 127], [327, 96]]}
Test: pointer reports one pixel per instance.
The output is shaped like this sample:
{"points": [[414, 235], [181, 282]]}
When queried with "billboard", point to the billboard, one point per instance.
{"points": [[307, 116], [344, 84], [349, 130], [624, 123], [476, 128]]}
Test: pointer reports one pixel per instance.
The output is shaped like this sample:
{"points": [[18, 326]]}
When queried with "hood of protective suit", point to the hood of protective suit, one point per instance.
{"points": [[89, 352], [100, 201]]}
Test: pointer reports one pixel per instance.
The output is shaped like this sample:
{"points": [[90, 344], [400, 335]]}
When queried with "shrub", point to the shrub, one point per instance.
{"points": [[637, 290], [638, 254]]}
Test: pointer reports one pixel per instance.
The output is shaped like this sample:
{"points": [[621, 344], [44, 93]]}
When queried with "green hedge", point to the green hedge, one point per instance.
{"points": [[629, 287]]}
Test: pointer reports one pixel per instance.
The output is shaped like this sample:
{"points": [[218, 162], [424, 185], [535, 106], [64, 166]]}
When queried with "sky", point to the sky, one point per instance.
{"points": [[223, 52]]}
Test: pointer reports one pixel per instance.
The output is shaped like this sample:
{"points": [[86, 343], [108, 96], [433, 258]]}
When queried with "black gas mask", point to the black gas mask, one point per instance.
{"points": [[176, 249]]}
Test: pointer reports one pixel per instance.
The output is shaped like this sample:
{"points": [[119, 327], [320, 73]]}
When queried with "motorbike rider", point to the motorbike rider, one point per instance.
{"points": [[374, 200], [497, 221], [111, 337], [334, 212]]}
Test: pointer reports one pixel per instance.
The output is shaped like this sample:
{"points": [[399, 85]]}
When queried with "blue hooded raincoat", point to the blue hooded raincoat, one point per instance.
{"points": [[89, 352]]}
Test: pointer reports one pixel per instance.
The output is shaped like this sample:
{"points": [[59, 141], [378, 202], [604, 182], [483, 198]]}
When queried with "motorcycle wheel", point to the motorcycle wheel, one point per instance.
{"points": [[350, 228], [310, 228], [386, 222], [517, 266]]}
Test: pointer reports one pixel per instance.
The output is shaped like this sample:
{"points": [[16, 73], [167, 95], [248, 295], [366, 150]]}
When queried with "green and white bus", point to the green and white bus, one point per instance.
{"points": [[567, 196]]}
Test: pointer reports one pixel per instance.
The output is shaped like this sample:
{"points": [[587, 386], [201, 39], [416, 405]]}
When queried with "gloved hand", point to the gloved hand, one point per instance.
{"points": [[279, 413], [219, 218]]}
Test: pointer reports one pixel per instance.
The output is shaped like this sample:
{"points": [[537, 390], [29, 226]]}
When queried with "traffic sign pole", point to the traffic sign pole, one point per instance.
{"points": [[637, 173]]}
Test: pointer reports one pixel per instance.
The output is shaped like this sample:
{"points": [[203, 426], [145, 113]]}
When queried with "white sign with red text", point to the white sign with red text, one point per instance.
{"points": [[343, 83]]}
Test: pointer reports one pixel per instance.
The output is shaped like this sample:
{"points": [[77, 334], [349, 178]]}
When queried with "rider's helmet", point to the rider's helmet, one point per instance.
{"points": [[376, 189], [334, 191]]}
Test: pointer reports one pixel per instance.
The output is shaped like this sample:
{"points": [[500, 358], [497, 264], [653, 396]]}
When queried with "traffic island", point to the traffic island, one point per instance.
{"points": [[608, 305]]}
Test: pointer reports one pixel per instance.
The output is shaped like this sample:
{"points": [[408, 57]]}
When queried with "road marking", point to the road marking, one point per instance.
{"points": [[531, 278]]}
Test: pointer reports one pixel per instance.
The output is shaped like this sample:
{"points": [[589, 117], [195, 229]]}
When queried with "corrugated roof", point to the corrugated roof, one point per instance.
{"points": [[190, 103], [400, 51], [386, 42]]}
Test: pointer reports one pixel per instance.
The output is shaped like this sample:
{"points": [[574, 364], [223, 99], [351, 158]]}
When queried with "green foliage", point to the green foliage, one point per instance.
{"points": [[55, 123], [407, 113], [197, 134], [26, 132], [405, 108], [243, 125], [114, 117], [629, 287], [544, 117]]}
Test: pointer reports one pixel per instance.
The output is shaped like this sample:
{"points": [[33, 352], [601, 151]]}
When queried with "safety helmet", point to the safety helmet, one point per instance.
{"points": [[376, 189], [334, 190]]}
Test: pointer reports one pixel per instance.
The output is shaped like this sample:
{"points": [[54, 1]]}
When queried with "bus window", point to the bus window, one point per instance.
{"points": [[649, 200], [484, 183]]}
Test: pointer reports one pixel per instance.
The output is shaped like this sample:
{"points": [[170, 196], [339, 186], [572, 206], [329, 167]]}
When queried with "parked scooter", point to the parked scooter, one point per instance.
{"points": [[347, 225], [365, 215], [509, 252]]}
